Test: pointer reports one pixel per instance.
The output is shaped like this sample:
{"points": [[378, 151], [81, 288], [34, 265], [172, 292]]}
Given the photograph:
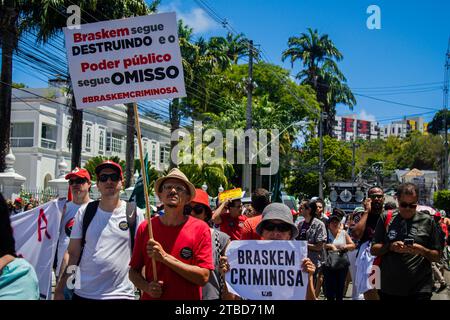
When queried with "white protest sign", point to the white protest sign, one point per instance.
{"points": [[36, 235], [267, 269], [125, 60]]}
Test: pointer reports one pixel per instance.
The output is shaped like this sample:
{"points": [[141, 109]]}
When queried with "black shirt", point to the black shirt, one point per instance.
{"points": [[405, 274], [371, 224]]}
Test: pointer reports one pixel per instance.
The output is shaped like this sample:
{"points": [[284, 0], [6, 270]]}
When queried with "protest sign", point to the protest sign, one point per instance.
{"points": [[267, 269], [36, 235], [231, 194], [125, 60]]}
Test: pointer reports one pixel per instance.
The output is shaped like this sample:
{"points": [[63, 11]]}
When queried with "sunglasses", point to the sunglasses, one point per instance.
{"points": [[170, 187], [197, 209], [113, 176], [282, 227], [375, 196], [408, 205], [77, 181]]}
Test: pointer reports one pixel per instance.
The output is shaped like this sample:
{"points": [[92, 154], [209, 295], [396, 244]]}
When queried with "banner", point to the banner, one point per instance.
{"points": [[267, 269], [36, 235], [231, 194], [125, 60]]}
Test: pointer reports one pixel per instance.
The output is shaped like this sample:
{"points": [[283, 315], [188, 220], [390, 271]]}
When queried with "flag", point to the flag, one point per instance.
{"points": [[36, 235], [276, 188], [69, 194]]}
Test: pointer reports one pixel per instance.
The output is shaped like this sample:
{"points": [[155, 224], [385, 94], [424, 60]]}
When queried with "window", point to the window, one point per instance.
{"points": [[116, 143], [101, 140], [22, 134], [164, 155], [153, 158], [48, 137], [88, 137], [108, 141]]}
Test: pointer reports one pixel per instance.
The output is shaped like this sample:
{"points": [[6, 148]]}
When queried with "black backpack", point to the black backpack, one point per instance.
{"points": [[91, 210]]}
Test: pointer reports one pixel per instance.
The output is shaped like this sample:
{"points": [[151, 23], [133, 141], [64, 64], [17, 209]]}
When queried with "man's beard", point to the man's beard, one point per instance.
{"points": [[377, 207]]}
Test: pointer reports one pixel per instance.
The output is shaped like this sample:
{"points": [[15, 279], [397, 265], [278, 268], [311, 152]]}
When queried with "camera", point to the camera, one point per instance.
{"points": [[408, 242]]}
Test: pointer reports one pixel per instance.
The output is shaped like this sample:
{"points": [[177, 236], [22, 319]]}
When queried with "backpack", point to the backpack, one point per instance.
{"points": [[90, 212], [377, 261]]}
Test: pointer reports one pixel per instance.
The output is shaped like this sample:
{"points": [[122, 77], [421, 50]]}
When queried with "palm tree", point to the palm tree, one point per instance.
{"points": [[236, 47], [319, 56]]}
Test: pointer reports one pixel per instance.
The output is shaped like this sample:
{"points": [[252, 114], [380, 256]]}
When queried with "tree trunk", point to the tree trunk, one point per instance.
{"points": [[76, 134], [8, 30], [174, 125], [129, 161]]}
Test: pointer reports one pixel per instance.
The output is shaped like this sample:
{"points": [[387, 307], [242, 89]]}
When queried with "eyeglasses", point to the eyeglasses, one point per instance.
{"points": [[374, 196], [77, 181], [113, 176], [408, 205], [197, 209], [282, 227], [170, 187]]}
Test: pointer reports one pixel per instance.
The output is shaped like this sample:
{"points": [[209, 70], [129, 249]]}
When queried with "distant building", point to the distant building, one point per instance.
{"points": [[403, 127], [426, 180], [348, 128], [39, 131]]}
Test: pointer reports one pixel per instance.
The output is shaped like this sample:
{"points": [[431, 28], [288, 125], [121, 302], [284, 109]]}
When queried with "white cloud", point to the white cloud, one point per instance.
{"points": [[197, 18], [363, 115]]}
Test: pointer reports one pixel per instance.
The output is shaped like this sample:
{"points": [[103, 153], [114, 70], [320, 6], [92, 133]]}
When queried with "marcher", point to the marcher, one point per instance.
{"points": [[17, 206], [80, 183], [103, 250], [338, 241], [260, 200], [313, 230], [18, 280], [437, 267], [199, 208], [228, 216], [363, 231], [28, 207], [407, 246], [181, 246], [277, 224]]}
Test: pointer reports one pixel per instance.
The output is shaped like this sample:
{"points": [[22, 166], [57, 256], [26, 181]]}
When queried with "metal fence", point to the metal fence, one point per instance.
{"points": [[42, 195]]}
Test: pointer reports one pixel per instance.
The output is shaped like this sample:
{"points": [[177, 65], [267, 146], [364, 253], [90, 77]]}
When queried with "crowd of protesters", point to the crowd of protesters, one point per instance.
{"points": [[185, 258]]}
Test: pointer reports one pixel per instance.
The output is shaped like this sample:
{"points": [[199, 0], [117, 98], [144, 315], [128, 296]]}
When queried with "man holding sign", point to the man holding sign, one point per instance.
{"points": [[181, 246], [270, 269]]}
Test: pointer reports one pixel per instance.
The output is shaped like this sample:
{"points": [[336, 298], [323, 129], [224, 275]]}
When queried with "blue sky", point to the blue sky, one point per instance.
{"points": [[408, 50]]}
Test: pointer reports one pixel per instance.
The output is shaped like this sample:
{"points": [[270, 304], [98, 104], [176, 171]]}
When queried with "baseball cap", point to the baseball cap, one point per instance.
{"points": [[109, 164], [79, 173], [19, 200]]}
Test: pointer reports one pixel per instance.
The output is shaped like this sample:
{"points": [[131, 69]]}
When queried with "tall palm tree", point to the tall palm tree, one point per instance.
{"points": [[236, 47], [319, 56]]}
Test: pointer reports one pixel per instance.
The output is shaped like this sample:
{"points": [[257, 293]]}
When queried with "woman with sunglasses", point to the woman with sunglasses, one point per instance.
{"points": [[199, 208], [277, 224], [338, 241]]}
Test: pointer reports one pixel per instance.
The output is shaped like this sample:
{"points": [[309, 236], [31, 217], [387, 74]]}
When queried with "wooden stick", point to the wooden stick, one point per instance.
{"points": [[144, 180]]}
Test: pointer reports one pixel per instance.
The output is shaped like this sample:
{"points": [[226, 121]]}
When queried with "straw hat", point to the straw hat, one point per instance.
{"points": [[176, 174]]}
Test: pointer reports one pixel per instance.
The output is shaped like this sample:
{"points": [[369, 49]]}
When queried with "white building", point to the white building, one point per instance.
{"points": [[39, 130], [403, 127], [348, 128]]}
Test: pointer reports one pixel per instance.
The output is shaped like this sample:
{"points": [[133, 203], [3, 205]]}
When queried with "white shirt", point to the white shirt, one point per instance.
{"points": [[107, 253], [64, 237]]}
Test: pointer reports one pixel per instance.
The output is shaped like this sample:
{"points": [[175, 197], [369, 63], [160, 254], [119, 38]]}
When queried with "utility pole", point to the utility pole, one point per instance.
{"points": [[446, 84], [247, 181], [321, 164]]}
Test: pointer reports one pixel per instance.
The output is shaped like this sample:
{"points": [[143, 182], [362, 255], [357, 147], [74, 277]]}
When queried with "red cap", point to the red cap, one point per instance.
{"points": [[294, 213], [202, 197], [109, 164], [19, 200], [79, 173], [438, 214]]}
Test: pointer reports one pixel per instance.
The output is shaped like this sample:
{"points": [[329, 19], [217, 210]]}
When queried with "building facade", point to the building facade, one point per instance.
{"points": [[403, 127], [40, 127], [351, 128]]}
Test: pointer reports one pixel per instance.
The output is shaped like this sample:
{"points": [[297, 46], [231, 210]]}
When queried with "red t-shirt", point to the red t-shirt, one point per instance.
{"points": [[249, 228], [189, 243], [232, 226]]}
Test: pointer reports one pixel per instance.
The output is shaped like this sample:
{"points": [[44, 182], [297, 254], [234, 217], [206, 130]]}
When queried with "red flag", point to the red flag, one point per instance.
{"points": [[69, 194]]}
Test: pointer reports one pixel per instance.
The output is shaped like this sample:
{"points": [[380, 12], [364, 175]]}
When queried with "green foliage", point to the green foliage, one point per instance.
{"points": [[95, 161], [19, 85], [303, 179], [436, 126], [442, 200]]}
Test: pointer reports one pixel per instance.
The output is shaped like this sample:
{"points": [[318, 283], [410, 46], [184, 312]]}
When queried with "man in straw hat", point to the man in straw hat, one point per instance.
{"points": [[181, 246]]}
